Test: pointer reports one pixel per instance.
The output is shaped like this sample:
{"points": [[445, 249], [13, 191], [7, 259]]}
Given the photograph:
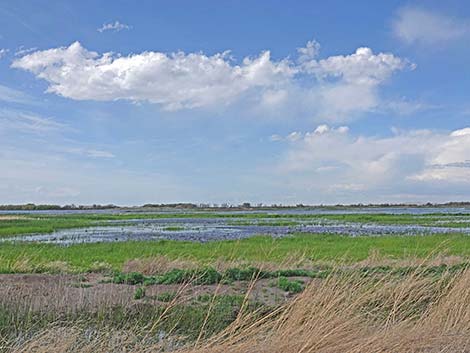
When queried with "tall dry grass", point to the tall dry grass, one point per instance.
{"points": [[350, 313]]}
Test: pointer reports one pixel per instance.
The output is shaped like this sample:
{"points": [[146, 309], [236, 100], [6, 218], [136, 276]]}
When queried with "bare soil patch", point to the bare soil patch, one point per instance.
{"points": [[93, 291]]}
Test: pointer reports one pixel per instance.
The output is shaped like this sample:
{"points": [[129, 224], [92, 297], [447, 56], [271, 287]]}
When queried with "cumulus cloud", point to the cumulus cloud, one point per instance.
{"points": [[294, 136], [115, 27], [333, 156], [418, 25], [331, 88], [310, 51]]}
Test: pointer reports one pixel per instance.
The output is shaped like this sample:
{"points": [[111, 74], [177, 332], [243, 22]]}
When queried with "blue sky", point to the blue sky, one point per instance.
{"points": [[307, 102]]}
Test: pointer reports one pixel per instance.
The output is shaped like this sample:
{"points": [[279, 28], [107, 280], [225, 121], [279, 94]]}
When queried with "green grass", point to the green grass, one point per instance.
{"points": [[40, 225], [24, 257], [166, 296]]}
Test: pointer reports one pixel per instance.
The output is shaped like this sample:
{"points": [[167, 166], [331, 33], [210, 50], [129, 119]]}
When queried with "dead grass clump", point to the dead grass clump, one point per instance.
{"points": [[362, 314], [56, 267], [12, 218], [21, 265]]}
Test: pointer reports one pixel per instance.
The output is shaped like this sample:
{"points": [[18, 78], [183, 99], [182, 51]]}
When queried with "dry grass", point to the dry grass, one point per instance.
{"points": [[12, 218], [353, 314]]}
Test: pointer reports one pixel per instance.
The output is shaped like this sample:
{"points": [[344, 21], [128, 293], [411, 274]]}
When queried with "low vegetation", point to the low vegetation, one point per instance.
{"points": [[32, 257], [345, 312], [300, 293]]}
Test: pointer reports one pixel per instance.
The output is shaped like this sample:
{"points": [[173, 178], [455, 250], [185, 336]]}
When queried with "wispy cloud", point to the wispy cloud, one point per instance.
{"points": [[28, 122], [418, 25], [407, 107], [11, 95], [115, 27], [23, 51], [90, 152]]}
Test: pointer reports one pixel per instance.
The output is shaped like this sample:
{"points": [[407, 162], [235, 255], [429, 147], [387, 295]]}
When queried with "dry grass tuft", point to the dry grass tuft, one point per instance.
{"points": [[361, 314]]}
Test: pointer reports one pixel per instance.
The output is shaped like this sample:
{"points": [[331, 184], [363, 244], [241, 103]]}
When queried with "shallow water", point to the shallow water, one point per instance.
{"points": [[211, 229]]}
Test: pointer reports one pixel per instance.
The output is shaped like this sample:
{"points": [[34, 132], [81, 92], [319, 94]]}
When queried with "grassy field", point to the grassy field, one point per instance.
{"points": [[23, 257], [302, 292]]}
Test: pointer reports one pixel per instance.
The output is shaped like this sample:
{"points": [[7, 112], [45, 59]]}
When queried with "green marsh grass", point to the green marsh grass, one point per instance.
{"points": [[34, 257]]}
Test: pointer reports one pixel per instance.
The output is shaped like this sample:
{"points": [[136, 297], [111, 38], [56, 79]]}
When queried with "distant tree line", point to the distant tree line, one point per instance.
{"points": [[244, 205], [34, 207]]}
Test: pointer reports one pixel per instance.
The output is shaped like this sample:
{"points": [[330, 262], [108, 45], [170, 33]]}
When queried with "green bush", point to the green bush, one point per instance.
{"points": [[245, 274], [129, 278], [290, 286], [210, 275], [166, 296], [139, 293]]}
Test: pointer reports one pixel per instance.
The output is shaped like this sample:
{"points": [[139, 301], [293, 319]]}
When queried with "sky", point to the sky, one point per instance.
{"points": [[313, 102]]}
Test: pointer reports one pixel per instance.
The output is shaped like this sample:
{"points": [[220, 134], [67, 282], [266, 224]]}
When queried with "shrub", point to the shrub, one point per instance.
{"points": [[290, 286], [139, 293], [129, 278], [166, 296]]}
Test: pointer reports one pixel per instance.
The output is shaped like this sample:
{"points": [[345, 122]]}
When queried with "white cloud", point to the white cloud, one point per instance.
{"points": [[276, 138], [461, 132], [417, 25], [294, 136], [361, 67], [175, 81], [115, 27], [321, 129], [333, 159], [23, 51], [309, 52], [331, 88]]}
